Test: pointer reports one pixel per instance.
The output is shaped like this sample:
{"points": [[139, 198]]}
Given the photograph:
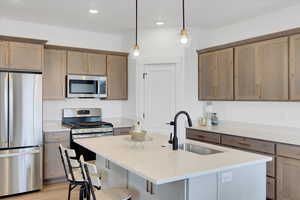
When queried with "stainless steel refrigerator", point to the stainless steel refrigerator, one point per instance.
{"points": [[21, 135]]}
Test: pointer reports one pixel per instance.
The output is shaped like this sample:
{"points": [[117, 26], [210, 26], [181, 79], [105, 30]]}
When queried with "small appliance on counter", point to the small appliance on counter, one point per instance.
{"points": [[85, 123]]}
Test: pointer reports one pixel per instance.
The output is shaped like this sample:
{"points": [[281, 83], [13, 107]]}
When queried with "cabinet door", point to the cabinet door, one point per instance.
{"points": [[24, 56], [207, 74], [53, 167], [3, 54], [54, 74], [295, 67], [246, 73], [272, 60], [224, 90], [216, 75], [288, 179], [77, 63], [97, 64], [117, 75]]}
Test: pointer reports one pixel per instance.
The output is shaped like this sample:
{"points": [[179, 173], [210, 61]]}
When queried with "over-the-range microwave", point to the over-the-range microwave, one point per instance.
{"points": [[81, 86]]}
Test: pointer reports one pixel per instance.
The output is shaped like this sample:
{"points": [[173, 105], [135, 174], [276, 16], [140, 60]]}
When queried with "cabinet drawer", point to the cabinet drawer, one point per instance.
{"points": [[288, 151], [56, 137], [249, 144], [270, 188], [203, 136]]}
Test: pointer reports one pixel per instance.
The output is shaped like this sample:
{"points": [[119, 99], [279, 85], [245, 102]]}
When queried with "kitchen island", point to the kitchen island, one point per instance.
{"points": [[154, 171]]}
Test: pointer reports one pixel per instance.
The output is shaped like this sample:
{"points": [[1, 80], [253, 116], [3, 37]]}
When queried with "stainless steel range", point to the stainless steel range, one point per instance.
{"points": [[85, 123]]}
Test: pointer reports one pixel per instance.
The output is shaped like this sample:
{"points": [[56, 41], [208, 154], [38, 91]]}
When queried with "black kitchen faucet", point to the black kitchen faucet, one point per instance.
{"points": [[174, 140]]}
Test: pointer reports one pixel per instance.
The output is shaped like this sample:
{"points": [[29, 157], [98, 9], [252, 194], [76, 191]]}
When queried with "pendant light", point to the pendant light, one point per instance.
{"points": [[184, 39], [136, 48]]}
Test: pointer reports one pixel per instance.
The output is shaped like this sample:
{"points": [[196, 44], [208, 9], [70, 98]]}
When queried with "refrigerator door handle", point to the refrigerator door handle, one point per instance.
{"points": [[10, 107]]}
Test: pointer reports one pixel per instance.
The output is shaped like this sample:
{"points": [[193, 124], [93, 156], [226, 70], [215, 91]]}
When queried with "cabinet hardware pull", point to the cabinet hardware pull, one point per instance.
{"points": [[147, 186], [151, 188], [200, 136]]}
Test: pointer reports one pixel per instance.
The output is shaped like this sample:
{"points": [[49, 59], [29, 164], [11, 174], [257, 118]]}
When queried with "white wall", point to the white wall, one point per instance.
{"points": [[274, 113], [163, 42], [68, 37]]}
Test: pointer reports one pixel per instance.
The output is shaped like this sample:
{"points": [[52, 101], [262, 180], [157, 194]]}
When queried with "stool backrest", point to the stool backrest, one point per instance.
{"points": [[68, 162], [91, 176]]}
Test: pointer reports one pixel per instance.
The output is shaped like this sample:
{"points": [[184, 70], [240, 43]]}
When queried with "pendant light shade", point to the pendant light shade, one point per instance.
{"points": [[135, 52], [184, 38]]}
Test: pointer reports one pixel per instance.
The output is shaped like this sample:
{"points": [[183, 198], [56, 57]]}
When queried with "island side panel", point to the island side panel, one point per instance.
{"points": [[242, 183], [111, 174], [169, 191]]}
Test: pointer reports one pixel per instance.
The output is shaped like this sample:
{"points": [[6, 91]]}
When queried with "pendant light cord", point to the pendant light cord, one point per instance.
{"points": [[183, 14], [136, 22]]}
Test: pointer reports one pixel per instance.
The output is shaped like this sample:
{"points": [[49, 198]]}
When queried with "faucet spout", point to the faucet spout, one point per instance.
{"points": [[174, 123]]}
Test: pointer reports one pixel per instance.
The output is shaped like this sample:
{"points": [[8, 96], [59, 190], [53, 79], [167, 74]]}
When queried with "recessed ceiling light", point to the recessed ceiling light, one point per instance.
{"points": [[93, 11], [160, 23]]}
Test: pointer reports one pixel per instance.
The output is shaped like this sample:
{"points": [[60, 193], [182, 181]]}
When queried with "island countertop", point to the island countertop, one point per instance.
{"points": [[160, 164]]}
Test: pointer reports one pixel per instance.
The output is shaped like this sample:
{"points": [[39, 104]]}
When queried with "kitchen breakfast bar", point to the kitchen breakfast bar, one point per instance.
{"points": [[197, 171]]}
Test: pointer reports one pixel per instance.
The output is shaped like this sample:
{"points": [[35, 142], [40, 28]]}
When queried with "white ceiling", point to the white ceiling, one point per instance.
{"points": [[118, 15]]}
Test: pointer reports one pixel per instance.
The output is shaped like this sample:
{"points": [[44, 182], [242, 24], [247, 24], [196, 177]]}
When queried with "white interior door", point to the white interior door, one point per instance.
{"points": [[159, 97]]}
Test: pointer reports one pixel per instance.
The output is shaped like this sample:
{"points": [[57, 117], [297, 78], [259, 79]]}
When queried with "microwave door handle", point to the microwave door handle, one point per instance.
{"points": [[98, 87]]}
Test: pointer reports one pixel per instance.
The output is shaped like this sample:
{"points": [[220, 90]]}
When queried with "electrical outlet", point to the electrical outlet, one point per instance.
{"points": [[226, 177]]}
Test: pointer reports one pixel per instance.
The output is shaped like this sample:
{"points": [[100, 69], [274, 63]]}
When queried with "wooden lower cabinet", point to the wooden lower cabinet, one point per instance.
{"points": [[288, 179], [121, 131], [53, 168]]}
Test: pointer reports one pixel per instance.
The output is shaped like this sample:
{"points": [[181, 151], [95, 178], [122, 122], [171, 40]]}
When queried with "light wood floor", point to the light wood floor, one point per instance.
{"points": [[58, 191]]}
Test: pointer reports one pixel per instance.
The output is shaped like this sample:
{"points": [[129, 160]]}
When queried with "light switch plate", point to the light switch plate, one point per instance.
{"points": [[226, 177]]}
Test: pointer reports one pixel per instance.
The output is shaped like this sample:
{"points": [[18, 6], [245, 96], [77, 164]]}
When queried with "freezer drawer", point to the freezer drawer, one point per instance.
{"points": [[21, 170]]}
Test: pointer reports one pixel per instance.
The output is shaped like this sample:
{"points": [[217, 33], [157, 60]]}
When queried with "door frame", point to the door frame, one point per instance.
{"points": [[140, 84]]}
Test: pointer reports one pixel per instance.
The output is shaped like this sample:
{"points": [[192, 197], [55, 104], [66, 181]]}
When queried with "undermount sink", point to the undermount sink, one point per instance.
{"points": [[198, 149]]}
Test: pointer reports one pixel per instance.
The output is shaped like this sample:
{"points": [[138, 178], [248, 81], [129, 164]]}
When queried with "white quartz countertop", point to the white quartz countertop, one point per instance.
{"points": [[161, 164], [286, 135], [54, 126]]}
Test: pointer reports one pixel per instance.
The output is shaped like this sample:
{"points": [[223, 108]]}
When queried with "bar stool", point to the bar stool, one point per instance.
{"points": [[94, 182], [72, 169]]}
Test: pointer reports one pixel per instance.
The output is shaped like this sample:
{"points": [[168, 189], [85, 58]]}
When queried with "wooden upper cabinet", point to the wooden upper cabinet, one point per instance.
{"points": [[97, 64], [3, 54], [216, 75], [86, 63], [246, 73], [295, 67], [77, 63], [25, 56], [117, 77], [273, 65], [54, 74], [261, 70]]}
